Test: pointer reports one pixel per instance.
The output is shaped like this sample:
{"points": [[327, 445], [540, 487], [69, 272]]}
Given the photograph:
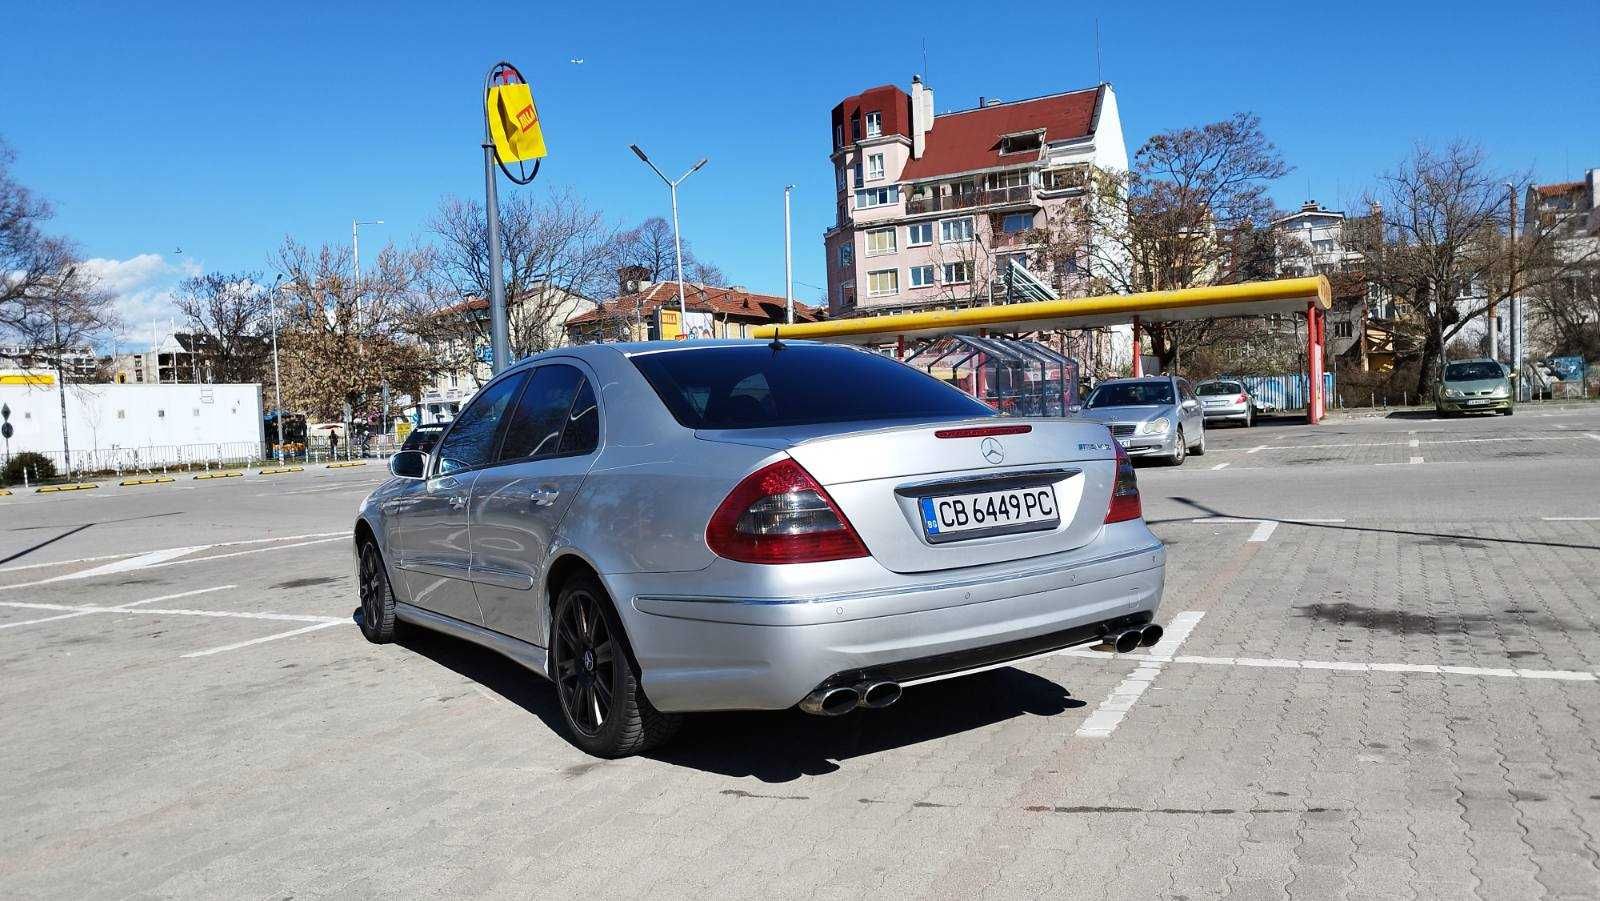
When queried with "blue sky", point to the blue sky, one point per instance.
{"points": [[220, 128]]}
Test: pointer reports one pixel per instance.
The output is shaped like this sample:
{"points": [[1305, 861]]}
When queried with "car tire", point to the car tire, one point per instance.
{"points": [[1249, 417], [1180, 450], [377, 595], [1199, 450], [1508, 411], [596, 678]]}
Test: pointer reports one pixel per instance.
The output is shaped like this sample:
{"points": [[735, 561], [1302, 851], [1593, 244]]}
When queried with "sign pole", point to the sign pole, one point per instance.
{"points": [[511, 134], [498, 327]]}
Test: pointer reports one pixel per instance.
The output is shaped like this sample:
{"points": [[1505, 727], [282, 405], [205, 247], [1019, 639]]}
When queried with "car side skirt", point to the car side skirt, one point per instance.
{"points": [[529, 655]]}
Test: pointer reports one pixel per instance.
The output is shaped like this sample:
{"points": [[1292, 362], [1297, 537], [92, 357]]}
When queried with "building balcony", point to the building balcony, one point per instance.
{"points": [[1021, 194]]}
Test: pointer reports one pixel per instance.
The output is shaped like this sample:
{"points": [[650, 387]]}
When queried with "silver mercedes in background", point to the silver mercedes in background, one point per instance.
{"points": [[662, 528], [1152, 416]]}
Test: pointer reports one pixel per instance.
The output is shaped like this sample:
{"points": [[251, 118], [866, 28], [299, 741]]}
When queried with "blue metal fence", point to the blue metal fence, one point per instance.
{"points": [[1285, 391]]}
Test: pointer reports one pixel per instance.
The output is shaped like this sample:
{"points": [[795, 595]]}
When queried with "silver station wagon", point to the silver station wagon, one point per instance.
{"points": [[665, 528]]}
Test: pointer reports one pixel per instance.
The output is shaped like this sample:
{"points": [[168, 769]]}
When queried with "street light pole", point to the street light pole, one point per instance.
{"points": [[61, 376], [277, 380], [788, 258], [677, 241]]}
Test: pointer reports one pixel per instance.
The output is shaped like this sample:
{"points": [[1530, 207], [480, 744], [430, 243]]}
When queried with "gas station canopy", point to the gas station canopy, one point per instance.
{"points": [[1291, 295]]}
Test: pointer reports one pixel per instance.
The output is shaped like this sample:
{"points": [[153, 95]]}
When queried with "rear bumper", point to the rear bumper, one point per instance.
{"points": [[1226, 413], [730, 653]]}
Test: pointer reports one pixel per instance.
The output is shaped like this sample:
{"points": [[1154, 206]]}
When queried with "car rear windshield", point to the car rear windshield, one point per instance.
{"points": [[754, 386], [1472, 372], [1214, 389], [1131, 394]]}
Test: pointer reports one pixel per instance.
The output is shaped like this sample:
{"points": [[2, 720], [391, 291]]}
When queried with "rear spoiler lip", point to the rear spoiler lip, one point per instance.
{"points": [[768, 437]]}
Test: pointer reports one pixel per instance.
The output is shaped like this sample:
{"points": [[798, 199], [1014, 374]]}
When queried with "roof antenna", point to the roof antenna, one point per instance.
{"points": [[777, 343], [1098, 76]]}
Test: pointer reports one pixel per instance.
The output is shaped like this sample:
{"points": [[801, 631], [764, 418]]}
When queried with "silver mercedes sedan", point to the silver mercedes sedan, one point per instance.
{"points": [[663, 528]]}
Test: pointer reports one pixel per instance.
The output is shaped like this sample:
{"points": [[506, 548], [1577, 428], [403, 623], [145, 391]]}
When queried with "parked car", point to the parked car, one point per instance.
{"points": [[1226, 400], [1474, 386], [670, 527], [1155, 416]]}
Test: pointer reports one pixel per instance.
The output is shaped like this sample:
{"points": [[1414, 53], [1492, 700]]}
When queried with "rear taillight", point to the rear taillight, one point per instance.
{"points": [[779, 514], [1124, 491], [1242, 399]]}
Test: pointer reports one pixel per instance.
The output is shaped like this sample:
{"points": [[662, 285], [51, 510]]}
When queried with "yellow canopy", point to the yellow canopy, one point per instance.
{"points": [[1289, 295]]}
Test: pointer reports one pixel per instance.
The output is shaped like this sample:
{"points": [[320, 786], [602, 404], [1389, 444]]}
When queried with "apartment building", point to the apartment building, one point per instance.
{"points": [[966, 207]]}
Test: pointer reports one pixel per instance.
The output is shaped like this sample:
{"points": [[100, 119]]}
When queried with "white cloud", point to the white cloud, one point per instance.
{"points": [[144, 287]]}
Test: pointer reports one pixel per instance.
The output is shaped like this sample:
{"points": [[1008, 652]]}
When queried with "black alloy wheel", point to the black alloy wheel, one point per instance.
{"points": [[585, 662]]}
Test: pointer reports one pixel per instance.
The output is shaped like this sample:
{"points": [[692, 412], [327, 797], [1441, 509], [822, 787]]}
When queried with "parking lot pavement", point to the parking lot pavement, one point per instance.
{"points": [[1379, 680]]}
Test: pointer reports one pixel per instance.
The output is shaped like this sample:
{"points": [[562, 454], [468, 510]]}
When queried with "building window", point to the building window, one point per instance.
{"points": [[838, 136], [1016, 222], [919, 233], [874, 124], [880, 241], [883, 283], [841, 176], [1067, 178], [957, 273], [872, 197], [1015, 179], [161, 414], [955, 230], [855, 127], [1020, 143], [922, 276], [847, 254], [847, 292], [856, 172], [122, 414], [874, 166], [1344, 328]]}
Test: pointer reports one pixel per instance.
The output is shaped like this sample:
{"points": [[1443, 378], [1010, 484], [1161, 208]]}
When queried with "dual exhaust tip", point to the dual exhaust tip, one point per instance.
{"points": [[1129, 640], [842, 699]]}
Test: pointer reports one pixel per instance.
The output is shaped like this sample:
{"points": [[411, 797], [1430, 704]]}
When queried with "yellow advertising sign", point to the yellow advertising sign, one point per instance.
{"points": [[514, 123], [402, 430], [669, 325]]}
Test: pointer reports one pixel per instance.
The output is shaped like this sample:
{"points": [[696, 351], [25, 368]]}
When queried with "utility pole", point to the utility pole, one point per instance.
{"points": [[1511, 288], [788, 257], [61, 376], [277, 380]]}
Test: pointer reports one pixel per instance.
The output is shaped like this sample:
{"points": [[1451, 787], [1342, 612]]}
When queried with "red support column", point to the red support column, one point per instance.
{"points": [[1314, 341], [1138, 349]]}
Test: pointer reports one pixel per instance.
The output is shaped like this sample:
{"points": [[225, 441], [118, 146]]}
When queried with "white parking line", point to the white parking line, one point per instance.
{"points": [[1263, 531], [1413, 443], [254, 641], [242, 543], [85, 611], [1415, 460], [1591, 435], [1343, 666], [1225, 520], [1115, 707], [1570, 518], [1219, 466], [339, 536]]}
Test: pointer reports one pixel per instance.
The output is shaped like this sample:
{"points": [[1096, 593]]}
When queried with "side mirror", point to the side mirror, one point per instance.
{"points": [[1075, 408], [408, 464]]}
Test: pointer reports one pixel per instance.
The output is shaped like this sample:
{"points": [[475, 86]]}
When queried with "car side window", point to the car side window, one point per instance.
{"points": [[543, 413], [470, 441], [582, 434]]}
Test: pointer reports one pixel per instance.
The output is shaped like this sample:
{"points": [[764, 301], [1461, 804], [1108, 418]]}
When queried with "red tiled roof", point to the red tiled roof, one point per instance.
{"points": [[964, 141], [893, 103], [734, 303], [1556, 190]]}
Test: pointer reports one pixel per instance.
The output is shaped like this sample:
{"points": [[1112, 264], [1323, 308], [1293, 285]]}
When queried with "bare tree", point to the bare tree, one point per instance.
{"points": [[649, 246], [1193, 211], [1435, 244], [1564, 313], [556, 254], [227, 313], [341, 339], [31, 263]]}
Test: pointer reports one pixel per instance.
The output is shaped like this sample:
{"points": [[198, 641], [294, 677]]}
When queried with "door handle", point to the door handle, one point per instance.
{"points": [[545, 495], [458, 501]]}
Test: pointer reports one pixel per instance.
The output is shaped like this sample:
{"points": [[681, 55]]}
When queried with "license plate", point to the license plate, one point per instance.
{"points": [[1476, 403], [953, 517]]}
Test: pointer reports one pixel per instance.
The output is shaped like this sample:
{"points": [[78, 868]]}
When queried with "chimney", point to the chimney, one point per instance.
{"points": [[632, 279], [921, 116]]}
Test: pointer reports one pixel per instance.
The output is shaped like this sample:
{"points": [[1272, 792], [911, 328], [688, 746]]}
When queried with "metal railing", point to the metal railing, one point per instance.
{"points": [[970, 200]]}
